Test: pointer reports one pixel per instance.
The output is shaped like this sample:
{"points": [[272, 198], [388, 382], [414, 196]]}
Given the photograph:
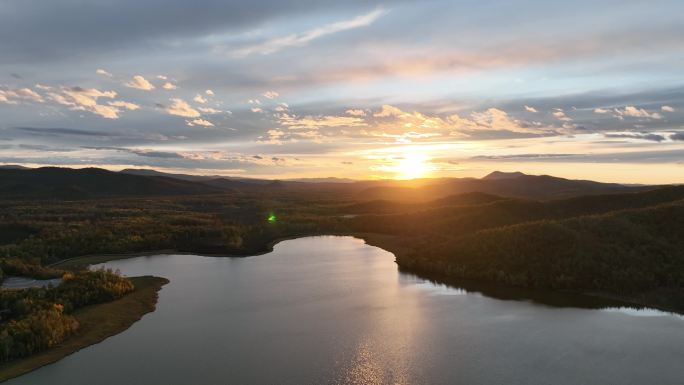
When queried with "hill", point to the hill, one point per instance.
{"points": [[614, 240], [193, 178], [629, 245], [65, 183], [508, 185], [503, 175], [427, 220], [635, 254], [393, 207]]}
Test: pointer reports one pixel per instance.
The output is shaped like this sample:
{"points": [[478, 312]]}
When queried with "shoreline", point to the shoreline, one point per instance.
{"points": [[389, 244], [94, 259], [97, 323]]}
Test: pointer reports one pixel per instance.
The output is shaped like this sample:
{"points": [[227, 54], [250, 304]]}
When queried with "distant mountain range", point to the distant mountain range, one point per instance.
{"points": [[13, 167], [66, 183], [18, 182], [503, 175], [516, 184]]}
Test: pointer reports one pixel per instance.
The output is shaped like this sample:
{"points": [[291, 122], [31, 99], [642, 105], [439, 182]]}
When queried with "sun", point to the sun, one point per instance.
{"points": [[412, 166]]}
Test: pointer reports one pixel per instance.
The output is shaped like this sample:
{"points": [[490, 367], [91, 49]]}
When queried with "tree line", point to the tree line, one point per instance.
{"points": [[39, 318]]}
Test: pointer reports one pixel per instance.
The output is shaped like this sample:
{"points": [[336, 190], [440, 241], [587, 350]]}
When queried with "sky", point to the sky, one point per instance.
{"points": [[353, 89]]}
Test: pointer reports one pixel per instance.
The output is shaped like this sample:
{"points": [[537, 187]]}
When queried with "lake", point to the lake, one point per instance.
{"points": [[25, 283], [333, 310]]}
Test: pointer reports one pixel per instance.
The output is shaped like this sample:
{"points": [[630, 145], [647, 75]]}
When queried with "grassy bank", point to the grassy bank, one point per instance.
{"points": [[97, 322]]}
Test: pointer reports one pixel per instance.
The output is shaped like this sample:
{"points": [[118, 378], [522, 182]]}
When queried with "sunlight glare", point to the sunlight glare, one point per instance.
{"points": [[412, 166]]}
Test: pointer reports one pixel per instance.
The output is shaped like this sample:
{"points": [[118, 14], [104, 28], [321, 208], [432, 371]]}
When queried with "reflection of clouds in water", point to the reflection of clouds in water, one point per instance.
{"points": [[645, 312]]}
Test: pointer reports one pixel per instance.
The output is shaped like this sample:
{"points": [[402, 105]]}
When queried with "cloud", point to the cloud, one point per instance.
{"points": [[355, 112], [495, 119], [29, 94], [179, 107], [199, 122], [523, 156], [44, 148], [209, 92], [150, 153], [299, 39], [257, 110], [667, 109], [637, 135], [102, 72], [387, 111], [200, 99], [86, 99], [140, 83], [559, 114], [126, 105], [270, 94], [273, 136], [63, 131], [600, 110], [391, 122], [17, 95], [169, 86], [209, 110], [677, 136], [666, 156], [315, 122], [531, 109], [635, 112]]}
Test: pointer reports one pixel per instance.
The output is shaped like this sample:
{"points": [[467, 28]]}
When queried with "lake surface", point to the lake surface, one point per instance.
{"points": [[332, 310], [25, 283]]}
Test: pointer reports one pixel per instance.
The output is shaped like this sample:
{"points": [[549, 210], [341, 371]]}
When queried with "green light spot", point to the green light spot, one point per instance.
{"points": [[272, 218]]}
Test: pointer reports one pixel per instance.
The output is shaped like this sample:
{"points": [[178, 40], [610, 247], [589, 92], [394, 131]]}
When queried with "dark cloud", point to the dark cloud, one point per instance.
{"points": [[502, 134], [63, 131], [523, 156], [141, 152], [60, 29], [666, 156], [679, 136], [44, 148], [642, 136]]}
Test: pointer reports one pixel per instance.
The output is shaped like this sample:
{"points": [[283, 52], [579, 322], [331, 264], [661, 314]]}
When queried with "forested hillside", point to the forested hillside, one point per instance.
{"points": [[55, 183], [636, 253], [625, 243]]}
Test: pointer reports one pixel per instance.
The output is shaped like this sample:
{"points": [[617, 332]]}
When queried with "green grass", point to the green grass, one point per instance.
{"points": [[97, 322]]}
